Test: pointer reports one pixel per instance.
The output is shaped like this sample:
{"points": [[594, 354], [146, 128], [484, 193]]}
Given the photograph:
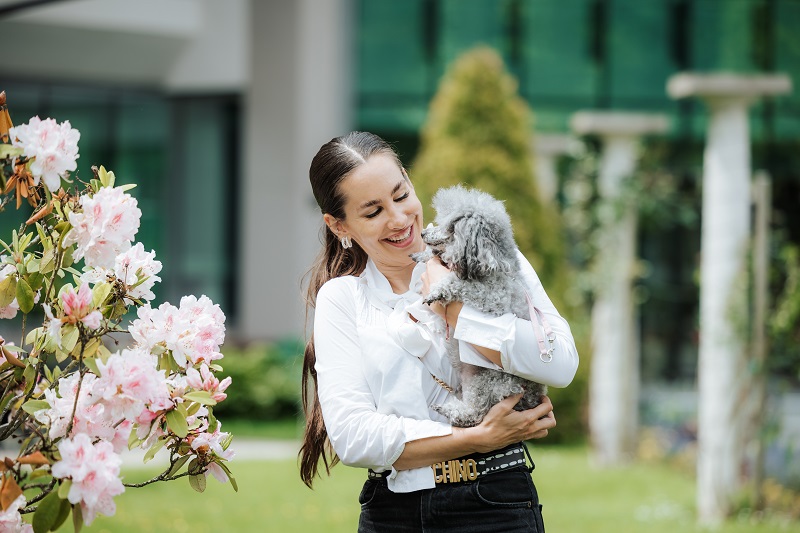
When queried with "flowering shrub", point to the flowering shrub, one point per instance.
{"points": [[71, 402]]}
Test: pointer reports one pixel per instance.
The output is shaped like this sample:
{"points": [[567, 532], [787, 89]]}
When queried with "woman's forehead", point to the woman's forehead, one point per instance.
{"points": [[374, 180]]}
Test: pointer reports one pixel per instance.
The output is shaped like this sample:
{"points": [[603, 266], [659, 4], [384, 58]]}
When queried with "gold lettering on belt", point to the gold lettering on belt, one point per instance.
{"points": [[455, 471]]}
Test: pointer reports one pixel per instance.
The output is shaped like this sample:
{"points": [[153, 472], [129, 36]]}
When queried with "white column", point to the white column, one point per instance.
{"points": [[298, 99], [724, 311], [614, 376], [547, 147]]}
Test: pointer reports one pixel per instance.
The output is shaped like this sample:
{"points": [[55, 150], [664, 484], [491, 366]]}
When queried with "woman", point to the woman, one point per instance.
{"points": [[377, 358]]}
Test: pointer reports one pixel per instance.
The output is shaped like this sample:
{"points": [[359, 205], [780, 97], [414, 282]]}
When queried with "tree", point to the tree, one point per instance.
{"points": [[478, 133]]}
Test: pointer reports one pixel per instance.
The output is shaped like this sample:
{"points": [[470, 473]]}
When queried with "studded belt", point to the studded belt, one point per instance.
{"points": [[472, 467]]}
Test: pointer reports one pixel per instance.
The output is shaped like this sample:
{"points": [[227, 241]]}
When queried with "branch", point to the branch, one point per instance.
{"points": [[47, 490]]}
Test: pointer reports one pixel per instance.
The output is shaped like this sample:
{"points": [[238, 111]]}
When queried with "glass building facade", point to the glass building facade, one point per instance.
{"points": [[182, 152]]}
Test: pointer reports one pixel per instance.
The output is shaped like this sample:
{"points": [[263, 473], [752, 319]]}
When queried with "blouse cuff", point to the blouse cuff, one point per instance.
{"points": [[483, 329]]}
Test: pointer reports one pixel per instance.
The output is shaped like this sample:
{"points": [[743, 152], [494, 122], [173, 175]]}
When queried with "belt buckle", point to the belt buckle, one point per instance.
{"points": [[455, 471]]}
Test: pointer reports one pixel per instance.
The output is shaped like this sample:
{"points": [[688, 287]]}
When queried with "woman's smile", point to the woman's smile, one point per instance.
{"points": [[403, 239]]}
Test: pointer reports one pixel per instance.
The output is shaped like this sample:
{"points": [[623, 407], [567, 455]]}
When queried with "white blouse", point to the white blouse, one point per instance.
{"points": [[374, 364]]}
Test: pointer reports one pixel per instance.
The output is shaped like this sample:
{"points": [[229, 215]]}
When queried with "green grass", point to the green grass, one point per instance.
{"points": [[287, 429], [271, 498]]}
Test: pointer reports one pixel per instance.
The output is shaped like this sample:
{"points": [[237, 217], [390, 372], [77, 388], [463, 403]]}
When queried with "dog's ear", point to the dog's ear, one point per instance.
{"points": [[476, 252]]}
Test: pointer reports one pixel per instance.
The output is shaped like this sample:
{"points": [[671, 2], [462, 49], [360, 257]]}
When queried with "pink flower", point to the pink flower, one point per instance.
{"points": [[135, 268], [11, 519], [129, 381], [94, 470], [205, 380], [90, 417], [193, 332], [105, 228], [78, 307], [52, 148], [212, 444]]}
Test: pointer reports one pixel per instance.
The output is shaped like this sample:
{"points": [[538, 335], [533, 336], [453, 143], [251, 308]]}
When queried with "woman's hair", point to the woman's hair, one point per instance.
{"points": [[334, 161]]}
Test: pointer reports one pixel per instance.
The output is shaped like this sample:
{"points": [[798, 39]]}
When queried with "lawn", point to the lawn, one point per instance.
{"points": [[576, 498]]}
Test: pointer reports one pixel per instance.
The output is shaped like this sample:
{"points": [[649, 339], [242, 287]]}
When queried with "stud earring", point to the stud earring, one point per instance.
{"points": [[346, 242]]}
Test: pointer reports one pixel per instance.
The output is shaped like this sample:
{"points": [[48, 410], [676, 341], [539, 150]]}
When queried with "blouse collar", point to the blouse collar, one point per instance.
{"points": [[381, 290]]}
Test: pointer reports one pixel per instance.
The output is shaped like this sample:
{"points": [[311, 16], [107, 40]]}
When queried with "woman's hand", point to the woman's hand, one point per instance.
{"points": [[435, 271], [502, 425]]}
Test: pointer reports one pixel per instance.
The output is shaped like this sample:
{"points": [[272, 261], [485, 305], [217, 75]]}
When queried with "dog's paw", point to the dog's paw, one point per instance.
{"points": [[422, 257]]}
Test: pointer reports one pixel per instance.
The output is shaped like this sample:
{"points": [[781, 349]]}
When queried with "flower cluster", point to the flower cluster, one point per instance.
{"points": [[82, 404], [94, 473], [192, 332], [135, 270], [105, 227], [11, 520], [51, 147]]}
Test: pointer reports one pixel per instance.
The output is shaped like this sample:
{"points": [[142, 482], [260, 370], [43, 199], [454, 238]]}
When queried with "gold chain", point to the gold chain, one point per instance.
{"points": [[444, 385]]}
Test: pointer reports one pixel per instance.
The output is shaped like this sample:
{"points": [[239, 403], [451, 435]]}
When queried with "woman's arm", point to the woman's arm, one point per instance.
{"points": [[360, 435], [501, 426], [509, 342]]}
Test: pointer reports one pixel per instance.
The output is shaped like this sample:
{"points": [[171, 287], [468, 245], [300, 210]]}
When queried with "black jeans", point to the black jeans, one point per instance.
{"points": [[504, 501]]}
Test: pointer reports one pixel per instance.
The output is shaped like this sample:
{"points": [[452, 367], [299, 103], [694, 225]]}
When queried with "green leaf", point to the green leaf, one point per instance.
{"points": [[8, 150], [35, 280], [127, 187], [69, 337], [47, 513], [201, 397], [154, 449], [8, 290], [178, 465], [28, 374], [63, 489], [33, 335], [12, 348], [66, 257], [103, 175], [25, 296], [100, 292], [133, 440], [198, 482], [227, 470], [48, 261], [31, 406], [176, 422], [77, 518], [91, 363], [66, 507]]}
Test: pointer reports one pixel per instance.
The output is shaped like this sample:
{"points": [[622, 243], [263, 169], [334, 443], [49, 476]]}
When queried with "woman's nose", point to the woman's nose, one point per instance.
{"points": [[397, 218]]}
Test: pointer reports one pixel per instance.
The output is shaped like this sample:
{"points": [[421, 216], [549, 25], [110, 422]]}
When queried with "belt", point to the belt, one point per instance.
{"points": [[475, 466]]}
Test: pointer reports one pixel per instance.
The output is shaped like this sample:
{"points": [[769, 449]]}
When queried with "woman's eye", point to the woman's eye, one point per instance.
{"points": [[373, 214], [402, 198]]}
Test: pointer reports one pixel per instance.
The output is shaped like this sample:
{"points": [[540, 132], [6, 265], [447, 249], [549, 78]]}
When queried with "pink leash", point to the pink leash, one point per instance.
{"points": [[545, 354]]}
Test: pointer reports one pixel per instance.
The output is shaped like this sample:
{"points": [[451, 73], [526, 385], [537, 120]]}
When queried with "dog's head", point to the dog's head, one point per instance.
{"points": [[473, 234]]}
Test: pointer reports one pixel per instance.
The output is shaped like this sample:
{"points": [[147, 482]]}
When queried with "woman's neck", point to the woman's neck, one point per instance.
{"points": [[399, 277]]}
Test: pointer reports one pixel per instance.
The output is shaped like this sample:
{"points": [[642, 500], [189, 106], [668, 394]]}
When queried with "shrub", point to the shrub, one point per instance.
{"points": [[267, 380]]}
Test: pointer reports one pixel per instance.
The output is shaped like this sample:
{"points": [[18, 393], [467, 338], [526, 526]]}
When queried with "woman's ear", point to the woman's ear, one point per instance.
{"points": [[334, 224]]}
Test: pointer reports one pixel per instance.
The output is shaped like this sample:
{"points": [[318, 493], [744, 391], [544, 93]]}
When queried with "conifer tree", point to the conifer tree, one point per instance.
{"points": [[478, 133]]}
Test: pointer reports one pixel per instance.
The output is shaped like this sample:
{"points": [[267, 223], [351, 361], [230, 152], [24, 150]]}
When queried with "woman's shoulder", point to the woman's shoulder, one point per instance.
{"points": [[343, 287]]}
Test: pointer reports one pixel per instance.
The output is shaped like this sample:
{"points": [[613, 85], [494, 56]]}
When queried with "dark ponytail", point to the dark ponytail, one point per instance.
{"points": [[334, 162]]}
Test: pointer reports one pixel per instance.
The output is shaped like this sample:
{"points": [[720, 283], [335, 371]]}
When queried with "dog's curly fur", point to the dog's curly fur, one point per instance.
{"points": [[473, 237]]}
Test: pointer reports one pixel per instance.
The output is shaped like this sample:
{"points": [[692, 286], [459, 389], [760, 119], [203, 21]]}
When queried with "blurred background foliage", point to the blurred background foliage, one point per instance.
{"points": [[266, 380]]}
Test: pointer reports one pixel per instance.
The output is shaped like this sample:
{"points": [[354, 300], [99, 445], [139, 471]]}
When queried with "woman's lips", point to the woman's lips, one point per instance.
{"points": [[407, 241]]}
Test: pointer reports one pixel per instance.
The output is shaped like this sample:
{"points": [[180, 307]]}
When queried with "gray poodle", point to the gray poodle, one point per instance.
{"points": [[473, 237]]}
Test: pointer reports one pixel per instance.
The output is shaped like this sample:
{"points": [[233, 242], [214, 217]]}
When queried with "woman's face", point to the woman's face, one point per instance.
{"points": [[382, 212]]}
